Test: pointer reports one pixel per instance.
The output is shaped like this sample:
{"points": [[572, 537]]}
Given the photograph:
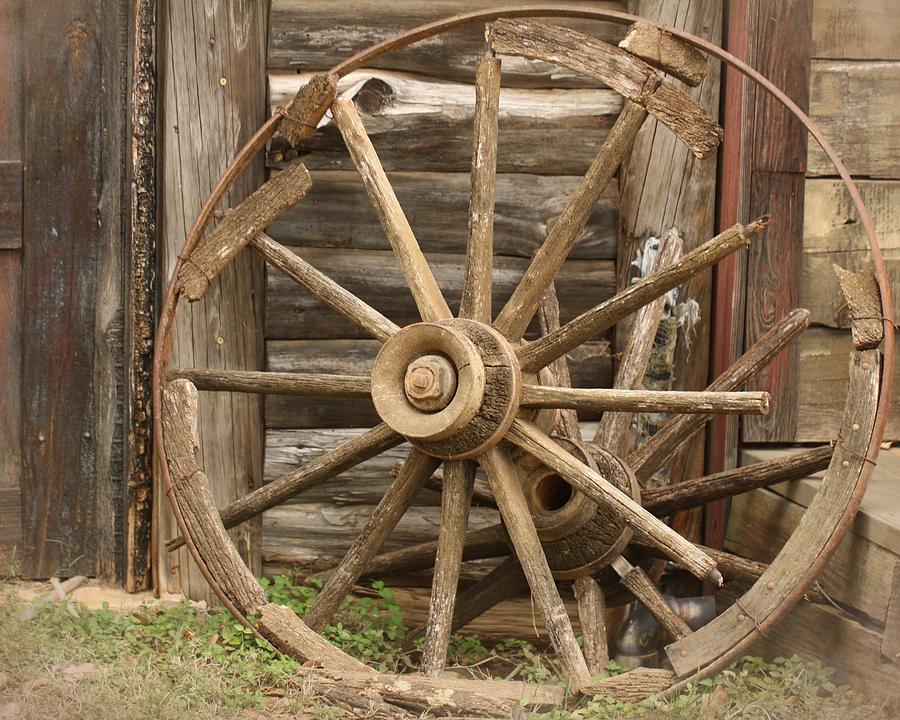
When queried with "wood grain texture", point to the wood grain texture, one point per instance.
{"points": [[807, 543], [239, 226], [855, 29], [419, 279], [591, 367], [403, 113], [623, 72], [666, 52], [11, 174], [475, 302], [846, 99], [833, 234], [192, 492], [323, 288], [416, 470], [642, 587], [316, 35], [255, 381], [212, 97], [374, 277], [592, 612], [61, 276], [774, 165], [303, 112], [504, 481], [890, 643], [538, 353], [860, 290], [337, 213], [671, 401], [11, 547]]}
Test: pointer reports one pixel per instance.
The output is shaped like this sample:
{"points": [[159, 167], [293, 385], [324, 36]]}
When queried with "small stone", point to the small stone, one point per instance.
{"points": [[845, 464]]}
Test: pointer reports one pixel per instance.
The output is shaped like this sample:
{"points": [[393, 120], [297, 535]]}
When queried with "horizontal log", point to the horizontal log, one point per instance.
{"points": [[832, 234], [337, 213], [591, 367], [822, 386], [855, 29], [306, 35], [417, 124], [672, 401], [849, 100], [375, 277]]}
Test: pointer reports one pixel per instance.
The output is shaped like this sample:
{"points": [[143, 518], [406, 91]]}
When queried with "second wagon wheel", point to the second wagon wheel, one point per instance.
{"points": [[467, 391]]}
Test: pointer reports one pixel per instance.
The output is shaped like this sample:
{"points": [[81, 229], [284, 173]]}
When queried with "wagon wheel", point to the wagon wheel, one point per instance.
{"points": [[468, 391]]}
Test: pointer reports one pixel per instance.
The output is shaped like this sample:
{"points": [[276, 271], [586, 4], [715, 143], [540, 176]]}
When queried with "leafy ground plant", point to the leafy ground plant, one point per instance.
{"points": [[181, 662]]}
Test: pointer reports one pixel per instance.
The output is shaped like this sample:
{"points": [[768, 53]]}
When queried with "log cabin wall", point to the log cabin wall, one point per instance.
{"points": [[417, 105]]}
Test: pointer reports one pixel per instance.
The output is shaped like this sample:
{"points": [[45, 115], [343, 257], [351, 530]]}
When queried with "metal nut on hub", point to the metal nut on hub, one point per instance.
{"points": [[430, 382]]}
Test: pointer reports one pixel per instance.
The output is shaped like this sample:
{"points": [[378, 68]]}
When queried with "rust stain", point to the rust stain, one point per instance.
{"points": [[76, 36]]}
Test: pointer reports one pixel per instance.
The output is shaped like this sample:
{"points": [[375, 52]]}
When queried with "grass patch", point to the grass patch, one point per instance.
{"points": [[179, 662]]}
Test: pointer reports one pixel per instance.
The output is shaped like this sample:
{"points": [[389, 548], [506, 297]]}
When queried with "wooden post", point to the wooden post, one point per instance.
{"points": [[212, 100]]}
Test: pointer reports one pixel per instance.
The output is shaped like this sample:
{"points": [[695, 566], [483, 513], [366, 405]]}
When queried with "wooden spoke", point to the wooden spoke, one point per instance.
{"points": [[668, 401], [516, 315], [277, 383], [537, 354], [459, 480], [517, 518], [322, 468], [503, 582], [699, 491], [648, 458], [612, 431], [384, 518], [548, 319], [592, 613], [323, 287], [476, 294], [532, 440], [419, 278], [642, 587], [478, 544]]}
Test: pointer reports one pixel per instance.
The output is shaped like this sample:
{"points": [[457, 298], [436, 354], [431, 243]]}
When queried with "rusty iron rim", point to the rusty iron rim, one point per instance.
{"points": [[258, 141]]}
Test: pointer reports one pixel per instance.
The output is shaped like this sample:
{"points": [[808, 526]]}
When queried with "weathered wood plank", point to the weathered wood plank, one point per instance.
{"points": [[847, 101], [375, 277], [591, 366], [665, 186], [420, 125], [61, 285], [337, 213], [213, 99], [855, 29], [774, 165], [316, 35], [850, 647], [832, 234], [890, 642], [822, 386], [11, 549], [11, 174]]}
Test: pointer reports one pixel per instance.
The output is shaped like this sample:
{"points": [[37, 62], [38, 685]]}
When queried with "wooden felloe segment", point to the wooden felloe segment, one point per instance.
{"points": [[622, 71], [323, 468], [537, 354], [808, 542], [290, 635], [648, 458], [612, 432], [239, 226], [673, 401], [301, 115], [592, 613], [861, 291], [429, 299], [699, 491], [416, 470], [533, 441], [519, 309], [642, 587], [191, 490], [476, 295], [665, 52], [256, 381], [504, 481], [459, 480], [325, 289]]}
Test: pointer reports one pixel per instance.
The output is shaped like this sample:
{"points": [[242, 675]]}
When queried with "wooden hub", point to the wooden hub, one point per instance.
{"points": [[451, 387]]}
